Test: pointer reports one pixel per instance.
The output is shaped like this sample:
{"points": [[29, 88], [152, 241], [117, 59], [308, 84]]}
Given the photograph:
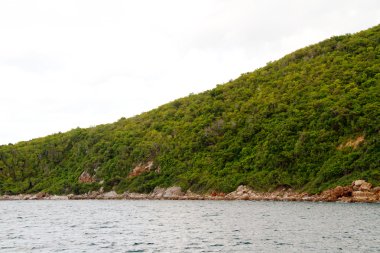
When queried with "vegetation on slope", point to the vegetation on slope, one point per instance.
{"points": [[308, 121]]}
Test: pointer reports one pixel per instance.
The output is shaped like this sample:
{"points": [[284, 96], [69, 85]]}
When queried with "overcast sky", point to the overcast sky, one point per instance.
{"points": [[65, 64]]}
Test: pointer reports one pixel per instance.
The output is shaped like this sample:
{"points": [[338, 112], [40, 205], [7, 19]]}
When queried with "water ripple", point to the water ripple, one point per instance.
{"points": [[187, 226]]}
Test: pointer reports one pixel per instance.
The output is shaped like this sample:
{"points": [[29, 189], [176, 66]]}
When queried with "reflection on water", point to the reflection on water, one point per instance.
{"points": [[187, 226]]}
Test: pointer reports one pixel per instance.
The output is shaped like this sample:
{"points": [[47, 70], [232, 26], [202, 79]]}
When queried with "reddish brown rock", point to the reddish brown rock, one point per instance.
{"points": [[336, 193], [365, 186], [327, 195], [364, 196], [141, 168], [376, 191], [357, 183], [361, 185], [346, 199], [363, 193], [42, 195], [85, 177], [243, 192], [217, 194]]}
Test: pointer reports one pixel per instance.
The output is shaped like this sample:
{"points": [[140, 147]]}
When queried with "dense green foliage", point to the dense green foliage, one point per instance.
{"points": [[284, 125]]}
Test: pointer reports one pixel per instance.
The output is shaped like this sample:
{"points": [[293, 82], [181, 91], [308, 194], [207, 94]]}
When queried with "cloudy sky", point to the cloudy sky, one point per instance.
{"points": [[65, 64]]}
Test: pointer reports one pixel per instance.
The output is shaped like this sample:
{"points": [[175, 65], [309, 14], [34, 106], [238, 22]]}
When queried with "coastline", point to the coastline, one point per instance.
{"points": [[358, 191]]}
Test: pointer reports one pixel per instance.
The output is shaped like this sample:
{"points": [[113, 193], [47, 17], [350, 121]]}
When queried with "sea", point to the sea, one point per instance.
{"points": [[187, 226]]}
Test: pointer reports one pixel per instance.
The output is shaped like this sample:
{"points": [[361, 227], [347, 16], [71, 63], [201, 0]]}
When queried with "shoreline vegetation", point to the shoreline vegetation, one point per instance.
{"points": [[308, 122], [358, 191]]}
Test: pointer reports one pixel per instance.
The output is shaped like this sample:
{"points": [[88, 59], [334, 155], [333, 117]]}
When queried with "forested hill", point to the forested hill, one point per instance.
{"points": [[308, 121]]}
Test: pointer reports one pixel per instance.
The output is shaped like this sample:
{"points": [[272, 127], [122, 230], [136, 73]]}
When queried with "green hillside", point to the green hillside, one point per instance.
{"points": [[308, 121]]}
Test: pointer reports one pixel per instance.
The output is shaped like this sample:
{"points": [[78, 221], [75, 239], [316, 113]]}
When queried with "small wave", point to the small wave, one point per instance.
{"points": [[243, 243], [216, 245]]}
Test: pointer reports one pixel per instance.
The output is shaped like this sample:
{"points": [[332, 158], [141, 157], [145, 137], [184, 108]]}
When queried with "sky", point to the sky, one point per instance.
{"points": [[67, 64]]}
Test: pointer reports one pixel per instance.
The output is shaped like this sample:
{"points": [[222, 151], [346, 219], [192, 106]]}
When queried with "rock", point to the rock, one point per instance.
{"points": [[357, 183], [242, 192], [94, 195], [41, 195], [141, 168], [158, 193], [173, 192], [376, 190], [340, 191], [346, 199], [363, 193], [85, 177], [364, 196], [242, 189], [245, 196], [56, 197], [37, 196], [111, 195], [365, 186], [217, 194], [361, 185], [336, 193], [26, 197], [193, 196], [307, 198], [134, 195]]}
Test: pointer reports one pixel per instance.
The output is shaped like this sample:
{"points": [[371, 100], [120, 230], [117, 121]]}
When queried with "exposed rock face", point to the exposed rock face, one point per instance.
{"points": [[336, 193], [170, 193], [352, 143], [357, 183], [173, 192], [361, 185], [85, 177], [141, 168], [158, 193], [376, 190], [110, 195], [135, 195], [41, 195], [358, 191], [193, 196], [242, 192], [246, 193], [365, 186], [364, 196]]}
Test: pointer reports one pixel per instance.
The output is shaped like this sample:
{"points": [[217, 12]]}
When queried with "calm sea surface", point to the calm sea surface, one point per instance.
{"points": [[188, 226]]}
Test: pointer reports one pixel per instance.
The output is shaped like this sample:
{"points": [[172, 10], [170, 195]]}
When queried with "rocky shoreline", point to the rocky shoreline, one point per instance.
{"points": [[358, 191]]}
